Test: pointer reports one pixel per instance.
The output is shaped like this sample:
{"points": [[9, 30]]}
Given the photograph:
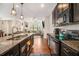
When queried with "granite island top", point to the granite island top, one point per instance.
{"points": [[6, 45], [10, 36], [74, 44]]}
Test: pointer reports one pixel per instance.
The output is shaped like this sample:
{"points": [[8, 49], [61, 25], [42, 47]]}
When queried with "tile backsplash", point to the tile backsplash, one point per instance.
{"points": [[71, 27], [72, 34]]}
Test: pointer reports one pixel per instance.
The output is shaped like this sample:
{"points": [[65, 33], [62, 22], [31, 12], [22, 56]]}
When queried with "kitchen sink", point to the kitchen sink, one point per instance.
{"points": [[17, 38], [10, 41]]}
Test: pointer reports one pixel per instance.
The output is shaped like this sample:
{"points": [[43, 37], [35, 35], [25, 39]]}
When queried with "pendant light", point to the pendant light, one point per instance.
{"points": [[13, 11], [21, 17], [42, 5]]}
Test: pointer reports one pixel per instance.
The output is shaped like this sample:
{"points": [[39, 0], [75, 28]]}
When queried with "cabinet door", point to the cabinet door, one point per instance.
{"points": [[13, 51], [23, 46], [16, 50], [26, 46], [64, 52], [29, 45], [76, 12]]}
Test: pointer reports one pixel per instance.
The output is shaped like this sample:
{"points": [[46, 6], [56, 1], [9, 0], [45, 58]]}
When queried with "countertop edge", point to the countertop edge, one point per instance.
{"points": [[63, 42], [16, 44]]}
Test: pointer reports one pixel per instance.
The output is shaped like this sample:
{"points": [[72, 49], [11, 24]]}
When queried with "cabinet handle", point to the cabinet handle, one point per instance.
{"points": [[66, 50], [66, 53]]}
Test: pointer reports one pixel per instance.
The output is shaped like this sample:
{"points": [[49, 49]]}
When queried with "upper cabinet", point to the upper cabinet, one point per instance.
{"points": [[66, 14], [61, 8], [76, 12]]}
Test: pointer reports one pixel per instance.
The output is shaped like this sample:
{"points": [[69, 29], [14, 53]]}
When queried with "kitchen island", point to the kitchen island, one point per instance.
{"points": [[16, 46]]}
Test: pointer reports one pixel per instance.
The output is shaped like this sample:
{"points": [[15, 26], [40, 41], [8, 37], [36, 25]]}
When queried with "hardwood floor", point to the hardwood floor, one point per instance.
{"points": [[40, 46]]}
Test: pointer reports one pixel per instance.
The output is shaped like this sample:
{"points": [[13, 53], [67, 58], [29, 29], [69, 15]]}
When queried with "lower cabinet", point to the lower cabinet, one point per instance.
{"points": [[23, 46], [21, 49], [29, 47], [13, 52], [26, 46], [68, 51], [58, 48]]}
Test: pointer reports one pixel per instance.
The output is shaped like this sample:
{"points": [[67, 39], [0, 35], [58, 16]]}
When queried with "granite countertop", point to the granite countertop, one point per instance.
{"points": [[9, 37], [8, 44], [74, 44]]}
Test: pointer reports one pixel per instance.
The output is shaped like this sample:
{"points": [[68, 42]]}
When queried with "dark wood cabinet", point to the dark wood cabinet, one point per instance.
{"points": [[61, 14], [13, 51], [76, 12], [66, 14], [21, 49], [68, 51], [61, 48], [26, 46]]}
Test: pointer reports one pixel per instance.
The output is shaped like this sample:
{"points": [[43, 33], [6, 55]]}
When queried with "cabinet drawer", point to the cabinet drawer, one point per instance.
{"points": [[68, 51]]}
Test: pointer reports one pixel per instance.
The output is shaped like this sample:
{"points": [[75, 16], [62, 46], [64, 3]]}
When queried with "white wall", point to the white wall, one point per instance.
{"points": [[49, 26], [49, 23], [7, 25], [71, 27], [37, 22]]}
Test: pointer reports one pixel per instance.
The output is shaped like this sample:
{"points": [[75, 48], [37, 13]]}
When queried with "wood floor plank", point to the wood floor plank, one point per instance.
{"points": [[40, 46]]}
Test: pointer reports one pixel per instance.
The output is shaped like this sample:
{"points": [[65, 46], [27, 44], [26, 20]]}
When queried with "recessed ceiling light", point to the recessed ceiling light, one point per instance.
{"points": [[42, 5], [17, 6], [22, 17]]}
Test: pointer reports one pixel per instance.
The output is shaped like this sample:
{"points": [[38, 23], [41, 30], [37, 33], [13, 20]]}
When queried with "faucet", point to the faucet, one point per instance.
{"points": [[12, 32]]}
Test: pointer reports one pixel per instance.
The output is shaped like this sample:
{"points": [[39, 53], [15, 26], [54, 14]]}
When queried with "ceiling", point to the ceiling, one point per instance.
{"points": [[29, 10]]}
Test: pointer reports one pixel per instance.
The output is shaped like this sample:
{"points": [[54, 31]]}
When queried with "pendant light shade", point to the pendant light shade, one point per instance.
{"points": [[13, 11], [21, 16]]}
